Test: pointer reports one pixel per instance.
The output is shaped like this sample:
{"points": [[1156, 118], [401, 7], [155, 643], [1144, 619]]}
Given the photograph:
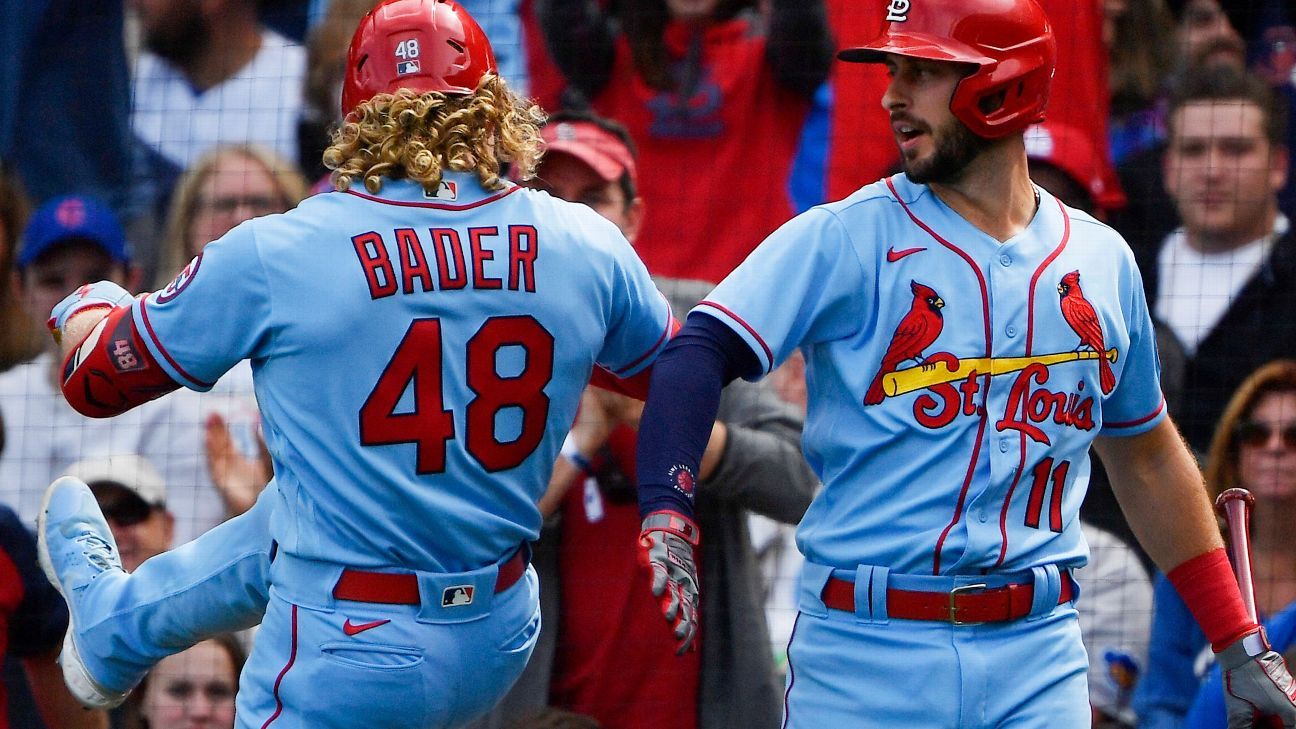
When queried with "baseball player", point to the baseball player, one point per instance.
{"points": [[419, 348], [967, 339]]}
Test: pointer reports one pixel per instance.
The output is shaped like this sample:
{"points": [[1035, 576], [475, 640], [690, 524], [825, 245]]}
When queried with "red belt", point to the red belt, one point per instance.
{"points": [[964, 604], [401, 588]]}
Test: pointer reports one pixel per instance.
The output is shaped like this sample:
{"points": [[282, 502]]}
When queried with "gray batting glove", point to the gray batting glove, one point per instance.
{"points": [[1258, 690], [666, 548]]}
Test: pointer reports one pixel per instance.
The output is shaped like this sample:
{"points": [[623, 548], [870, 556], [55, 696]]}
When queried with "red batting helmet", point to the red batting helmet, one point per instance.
{"points": [[1010, 42], [421, 45]]}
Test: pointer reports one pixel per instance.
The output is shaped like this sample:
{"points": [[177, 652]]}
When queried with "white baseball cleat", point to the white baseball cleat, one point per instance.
{"points": [[75, 547]]}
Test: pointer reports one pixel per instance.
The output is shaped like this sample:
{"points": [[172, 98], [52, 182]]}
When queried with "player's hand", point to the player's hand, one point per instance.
{"points": [[666, 549], [1258, 690], [104, 295]]}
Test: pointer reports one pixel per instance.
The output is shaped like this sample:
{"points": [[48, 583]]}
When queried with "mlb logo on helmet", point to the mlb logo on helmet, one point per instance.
{"points": [[405, 67], [457, 596]]}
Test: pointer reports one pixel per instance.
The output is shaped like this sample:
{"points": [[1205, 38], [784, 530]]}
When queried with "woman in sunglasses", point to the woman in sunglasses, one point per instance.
{"points": [[1254, 447]]}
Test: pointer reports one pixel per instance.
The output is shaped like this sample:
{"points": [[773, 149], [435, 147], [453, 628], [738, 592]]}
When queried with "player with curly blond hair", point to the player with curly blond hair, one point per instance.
{"points": [[419, 347], [422, 136]]}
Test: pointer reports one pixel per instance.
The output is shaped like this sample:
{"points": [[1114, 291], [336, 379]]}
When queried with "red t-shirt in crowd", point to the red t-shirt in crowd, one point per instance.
{"points": [[861, 145], [713, 163], [616, 655]]}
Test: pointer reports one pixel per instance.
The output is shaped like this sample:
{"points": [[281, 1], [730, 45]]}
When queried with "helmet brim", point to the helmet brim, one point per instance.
{"points": [[913, 45]]}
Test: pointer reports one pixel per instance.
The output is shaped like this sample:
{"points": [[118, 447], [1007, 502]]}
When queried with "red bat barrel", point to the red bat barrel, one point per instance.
{"points": [[1235, 505]]}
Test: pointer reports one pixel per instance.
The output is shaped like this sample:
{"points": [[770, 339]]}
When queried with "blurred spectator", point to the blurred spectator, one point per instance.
{"points": [[714, 93], [1254, 447], [227, 186], [1115, 615], [19, 341], [65, 120], [1225, 282], [194, 689], [132, 496], [33, 617], [209, 75], [1208, 34], [1139, 35], [69, 242], [614, 652]]}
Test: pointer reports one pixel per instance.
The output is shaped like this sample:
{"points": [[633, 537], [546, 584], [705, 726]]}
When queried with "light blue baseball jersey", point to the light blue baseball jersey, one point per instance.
{"points": [[951, 402], [417, 359]]}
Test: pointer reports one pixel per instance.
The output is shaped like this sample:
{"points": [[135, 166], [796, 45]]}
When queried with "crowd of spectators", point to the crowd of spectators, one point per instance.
{"points": [[134, 133]]}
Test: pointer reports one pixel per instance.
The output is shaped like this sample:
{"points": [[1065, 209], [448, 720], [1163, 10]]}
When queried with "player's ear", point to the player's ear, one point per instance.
{"points": [[633, 219]]}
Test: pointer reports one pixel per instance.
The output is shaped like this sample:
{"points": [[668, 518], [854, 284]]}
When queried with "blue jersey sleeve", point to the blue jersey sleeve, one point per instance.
{"points": [[215, 313], [1136, 405], [640, 318], [803, 284]]}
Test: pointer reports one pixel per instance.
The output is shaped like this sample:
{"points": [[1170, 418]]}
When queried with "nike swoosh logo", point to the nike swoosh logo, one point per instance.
{"points": [[893, 255], [352, 629]]}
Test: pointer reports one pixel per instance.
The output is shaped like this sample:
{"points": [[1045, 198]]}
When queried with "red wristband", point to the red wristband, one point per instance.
{"points": [[1207, 586]]}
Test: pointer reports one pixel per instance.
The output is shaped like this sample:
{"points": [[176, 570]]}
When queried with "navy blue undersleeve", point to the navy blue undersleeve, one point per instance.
{"points": [[683, 398]]}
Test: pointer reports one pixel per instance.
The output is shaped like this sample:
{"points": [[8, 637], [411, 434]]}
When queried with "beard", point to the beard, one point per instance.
{"points": [[956, 147], [182, 38]]}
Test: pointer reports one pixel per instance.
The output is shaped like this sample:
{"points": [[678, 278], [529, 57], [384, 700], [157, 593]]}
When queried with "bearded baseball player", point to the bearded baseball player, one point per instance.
{"points": [[967, 339], [420, 339]]}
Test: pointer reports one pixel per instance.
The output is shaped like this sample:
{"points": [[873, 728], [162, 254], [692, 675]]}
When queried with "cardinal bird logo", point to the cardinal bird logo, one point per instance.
{"points": [[1082, 318], [916, 332]]}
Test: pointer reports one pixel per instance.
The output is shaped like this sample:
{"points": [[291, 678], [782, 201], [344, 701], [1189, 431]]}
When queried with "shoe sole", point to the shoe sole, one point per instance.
{"points": [[71, 676]]}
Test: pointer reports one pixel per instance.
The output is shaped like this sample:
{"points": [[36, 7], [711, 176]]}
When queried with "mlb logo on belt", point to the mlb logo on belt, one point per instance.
{"points": [[407, 67], [457, 596]]}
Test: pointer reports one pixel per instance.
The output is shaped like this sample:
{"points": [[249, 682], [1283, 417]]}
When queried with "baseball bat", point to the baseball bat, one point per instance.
{"points": [[1235, 505], [920, 377]]}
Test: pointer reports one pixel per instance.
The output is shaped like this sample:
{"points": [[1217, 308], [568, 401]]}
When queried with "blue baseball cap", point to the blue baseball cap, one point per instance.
{"points": [[73, 217]]}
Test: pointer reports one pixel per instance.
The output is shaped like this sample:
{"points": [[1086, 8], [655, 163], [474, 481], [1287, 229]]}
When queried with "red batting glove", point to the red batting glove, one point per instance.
{"points": [[666, 549]]}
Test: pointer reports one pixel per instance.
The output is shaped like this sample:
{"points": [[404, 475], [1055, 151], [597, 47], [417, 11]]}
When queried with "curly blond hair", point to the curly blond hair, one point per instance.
{"points": [[407, 135]]}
